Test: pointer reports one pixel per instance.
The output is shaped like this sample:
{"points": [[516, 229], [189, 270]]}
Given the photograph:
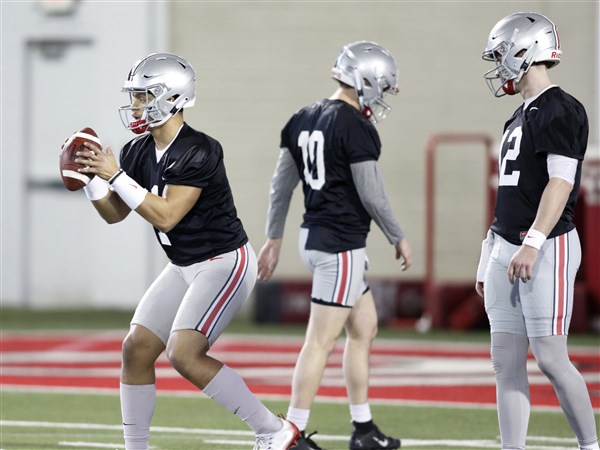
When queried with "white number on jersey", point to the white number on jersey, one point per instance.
{"points": [[164, 239], [514, 147], [312, 145]]}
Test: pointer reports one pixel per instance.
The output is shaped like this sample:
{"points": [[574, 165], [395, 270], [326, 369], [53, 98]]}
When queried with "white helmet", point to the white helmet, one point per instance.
{"points": [[169, 84], [514, 44], [371, 70]]}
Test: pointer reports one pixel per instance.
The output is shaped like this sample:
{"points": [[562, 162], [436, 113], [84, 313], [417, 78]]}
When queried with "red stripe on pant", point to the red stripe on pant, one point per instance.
{"points": [[344, 281], [226, 295]]}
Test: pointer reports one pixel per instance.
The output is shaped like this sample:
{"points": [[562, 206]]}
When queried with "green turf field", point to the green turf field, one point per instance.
{"points": [[59, 421], [35, 421]]}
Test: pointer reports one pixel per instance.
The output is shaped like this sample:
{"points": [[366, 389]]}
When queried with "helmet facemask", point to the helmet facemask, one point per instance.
{"points": [[372, 104], [155, 107], [511, 65]]}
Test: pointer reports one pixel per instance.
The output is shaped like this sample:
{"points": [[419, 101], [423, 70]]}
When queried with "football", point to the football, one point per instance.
{"points": [[72, 179]]}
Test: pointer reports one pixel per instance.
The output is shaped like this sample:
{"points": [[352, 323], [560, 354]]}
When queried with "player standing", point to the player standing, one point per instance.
{"points": [[532, 252], [174, 177], [333, 147]]}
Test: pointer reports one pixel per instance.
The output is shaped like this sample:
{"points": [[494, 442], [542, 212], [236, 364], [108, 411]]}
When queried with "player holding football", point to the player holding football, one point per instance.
{"points": [[333, 147], [174, 177], [532, 252]]}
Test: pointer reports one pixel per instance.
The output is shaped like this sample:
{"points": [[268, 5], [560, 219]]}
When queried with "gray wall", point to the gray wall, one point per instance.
{"points": [[257, 62]]}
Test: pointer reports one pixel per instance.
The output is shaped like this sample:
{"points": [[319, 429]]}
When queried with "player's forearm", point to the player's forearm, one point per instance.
{"points": [[552, 204], [111, 208], [285, 178], [369, 186], [166, 212]]}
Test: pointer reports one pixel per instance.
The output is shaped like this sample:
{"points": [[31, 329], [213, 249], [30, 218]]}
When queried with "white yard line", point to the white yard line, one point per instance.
{"points": [[226, 434]]}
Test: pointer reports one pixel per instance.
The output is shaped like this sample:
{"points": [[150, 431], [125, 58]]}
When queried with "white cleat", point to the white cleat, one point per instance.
{"points": [[281, 440]]}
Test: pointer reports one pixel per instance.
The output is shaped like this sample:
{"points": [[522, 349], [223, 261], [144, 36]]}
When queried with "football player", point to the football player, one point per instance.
{"points": [[332, 146], [532, 252], [174, 177]]}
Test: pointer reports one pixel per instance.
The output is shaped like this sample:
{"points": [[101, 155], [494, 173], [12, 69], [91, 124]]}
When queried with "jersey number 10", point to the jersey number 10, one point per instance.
{"points": [[313, 160]]}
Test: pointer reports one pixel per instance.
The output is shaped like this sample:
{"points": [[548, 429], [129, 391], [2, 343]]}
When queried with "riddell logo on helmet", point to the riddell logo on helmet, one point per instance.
{"points": [[556, 54]]}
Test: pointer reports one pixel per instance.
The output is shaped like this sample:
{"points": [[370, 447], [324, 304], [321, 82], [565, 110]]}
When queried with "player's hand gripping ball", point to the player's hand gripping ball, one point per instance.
{"points": [[72, 179]]}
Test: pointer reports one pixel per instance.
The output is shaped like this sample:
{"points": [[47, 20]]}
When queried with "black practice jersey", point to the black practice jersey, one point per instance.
{"points": [[324, 139], [555, 122], [212, 226]]}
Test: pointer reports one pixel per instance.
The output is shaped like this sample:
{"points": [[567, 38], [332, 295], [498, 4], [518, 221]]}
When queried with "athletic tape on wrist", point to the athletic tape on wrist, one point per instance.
{"points": [[129, 190], [96, 189], [534, 238]]}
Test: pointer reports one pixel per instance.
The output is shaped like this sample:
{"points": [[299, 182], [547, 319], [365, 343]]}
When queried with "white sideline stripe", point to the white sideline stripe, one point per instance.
{"points": [[79, 444], [321, 398], [406, 442]]}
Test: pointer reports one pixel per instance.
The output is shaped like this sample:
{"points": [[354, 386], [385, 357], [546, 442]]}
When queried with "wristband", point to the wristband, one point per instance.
{"points": [[96, 189], [128, 189], [534, 238]]}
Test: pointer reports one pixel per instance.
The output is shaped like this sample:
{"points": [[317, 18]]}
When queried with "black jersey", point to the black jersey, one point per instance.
{"points": [[324, 139], [211, 227], [555, 122]]}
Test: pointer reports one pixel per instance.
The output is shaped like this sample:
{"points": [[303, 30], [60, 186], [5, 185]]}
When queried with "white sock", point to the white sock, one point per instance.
{"points": [[229, 389], [137, 408], [298, 417], [361, 413], [590, 447]]}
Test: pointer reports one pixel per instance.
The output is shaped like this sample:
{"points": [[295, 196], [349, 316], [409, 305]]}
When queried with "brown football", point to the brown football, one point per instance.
{"points": [[72, 179]]}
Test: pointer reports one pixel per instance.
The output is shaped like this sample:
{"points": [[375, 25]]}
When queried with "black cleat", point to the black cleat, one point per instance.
{"points": [[373, 440], [306, 443]]}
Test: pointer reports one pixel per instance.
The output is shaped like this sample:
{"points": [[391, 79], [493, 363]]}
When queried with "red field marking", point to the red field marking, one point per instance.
{"points": [[426, 372]]}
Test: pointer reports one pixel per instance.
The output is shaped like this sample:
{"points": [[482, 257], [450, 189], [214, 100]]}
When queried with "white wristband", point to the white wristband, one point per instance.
{"points": [[129, 190], [96, 189], [534, 238]]}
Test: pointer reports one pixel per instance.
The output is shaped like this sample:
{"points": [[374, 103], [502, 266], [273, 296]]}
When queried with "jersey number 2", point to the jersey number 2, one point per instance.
{"points": [[313, 160], [514, 147]]}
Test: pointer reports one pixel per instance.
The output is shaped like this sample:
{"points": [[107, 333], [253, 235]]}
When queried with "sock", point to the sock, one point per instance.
{"points": [[509, 360], [553, 360], [137, 408], [229, 389], [361, 413], [590, 446], [298, 417]]}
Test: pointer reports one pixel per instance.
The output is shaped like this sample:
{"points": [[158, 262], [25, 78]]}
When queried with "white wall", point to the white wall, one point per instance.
{"points": [[55, 248], [257, 63]]}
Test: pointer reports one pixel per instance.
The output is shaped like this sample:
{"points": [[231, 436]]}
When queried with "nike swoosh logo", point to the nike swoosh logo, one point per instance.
{"points": [[382, 442]]}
